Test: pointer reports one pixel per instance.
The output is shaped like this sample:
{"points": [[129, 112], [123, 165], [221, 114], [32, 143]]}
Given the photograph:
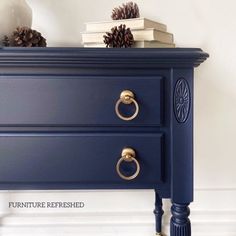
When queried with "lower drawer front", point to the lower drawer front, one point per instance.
{"points": [[77, 158]]}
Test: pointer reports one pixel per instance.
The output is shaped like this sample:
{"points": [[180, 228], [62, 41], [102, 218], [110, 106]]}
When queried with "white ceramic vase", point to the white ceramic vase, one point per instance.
{"points": [[14, 13]]}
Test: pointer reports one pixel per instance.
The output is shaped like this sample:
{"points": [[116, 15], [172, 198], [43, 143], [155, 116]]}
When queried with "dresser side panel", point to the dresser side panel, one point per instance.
{"points": [[182, 136]]}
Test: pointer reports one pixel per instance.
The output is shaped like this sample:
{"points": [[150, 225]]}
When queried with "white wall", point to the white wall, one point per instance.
{"points": [[208, 24]]}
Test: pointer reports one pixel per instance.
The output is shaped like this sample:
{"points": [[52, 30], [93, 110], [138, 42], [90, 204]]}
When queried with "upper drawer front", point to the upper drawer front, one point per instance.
{"points": [[77, 101], [67, 160]]}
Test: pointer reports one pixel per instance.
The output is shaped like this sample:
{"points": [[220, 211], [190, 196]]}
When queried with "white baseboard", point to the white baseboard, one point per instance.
{"points": [[213, 213]]}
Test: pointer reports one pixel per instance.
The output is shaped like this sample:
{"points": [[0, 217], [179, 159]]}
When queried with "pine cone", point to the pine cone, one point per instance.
{"points": [[126, 11], [6, 41], [26, 37], [119, 37]]}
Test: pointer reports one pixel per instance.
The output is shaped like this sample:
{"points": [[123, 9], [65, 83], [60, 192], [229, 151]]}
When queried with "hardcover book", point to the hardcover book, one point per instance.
{"points": [[137, 44], [149, 34], [135, 23]]}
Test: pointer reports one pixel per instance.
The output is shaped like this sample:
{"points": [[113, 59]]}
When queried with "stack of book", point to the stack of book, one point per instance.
{"points": [[147, 33]]}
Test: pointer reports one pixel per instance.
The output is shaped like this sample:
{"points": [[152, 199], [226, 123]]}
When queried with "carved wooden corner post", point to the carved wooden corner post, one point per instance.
{"points": [[182, 151], [158, 211]]}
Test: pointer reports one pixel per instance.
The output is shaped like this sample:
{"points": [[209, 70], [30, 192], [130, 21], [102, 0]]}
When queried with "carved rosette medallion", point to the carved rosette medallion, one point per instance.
{"points": [[182, 100]]}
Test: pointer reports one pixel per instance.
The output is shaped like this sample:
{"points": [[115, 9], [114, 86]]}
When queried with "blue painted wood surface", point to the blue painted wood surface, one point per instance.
{"points": [[180, 224], [59, 129], [77, 100], [78, 158], [158, 212]]}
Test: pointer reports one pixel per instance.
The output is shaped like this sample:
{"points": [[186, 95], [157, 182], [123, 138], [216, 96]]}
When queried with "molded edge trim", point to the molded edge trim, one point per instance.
{"points": [[95, 57]]}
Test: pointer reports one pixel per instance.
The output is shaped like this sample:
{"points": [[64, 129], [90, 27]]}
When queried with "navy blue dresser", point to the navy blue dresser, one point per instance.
{"points": [[75, 118]]}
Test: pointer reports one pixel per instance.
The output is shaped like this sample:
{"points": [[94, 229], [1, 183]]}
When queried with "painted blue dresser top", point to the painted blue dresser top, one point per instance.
{"points": [[135, 57]]}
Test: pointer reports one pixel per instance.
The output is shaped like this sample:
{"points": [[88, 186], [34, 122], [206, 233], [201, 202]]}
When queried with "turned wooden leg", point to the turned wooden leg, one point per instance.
{"points": [[158, 214], [180, 224]]}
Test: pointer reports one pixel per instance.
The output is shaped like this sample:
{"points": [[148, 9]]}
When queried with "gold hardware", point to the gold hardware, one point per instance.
{"points": [[127, 97], [128, 155], [159, 234]]}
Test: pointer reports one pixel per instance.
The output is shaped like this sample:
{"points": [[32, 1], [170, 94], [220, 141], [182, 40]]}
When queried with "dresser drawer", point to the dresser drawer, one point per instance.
{"points": [[78, 158], [79, 101]]}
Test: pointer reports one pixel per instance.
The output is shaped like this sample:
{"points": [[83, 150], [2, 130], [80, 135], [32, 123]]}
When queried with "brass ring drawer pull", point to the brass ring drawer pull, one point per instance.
{"points": [[127, 97], [128, 155]]}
